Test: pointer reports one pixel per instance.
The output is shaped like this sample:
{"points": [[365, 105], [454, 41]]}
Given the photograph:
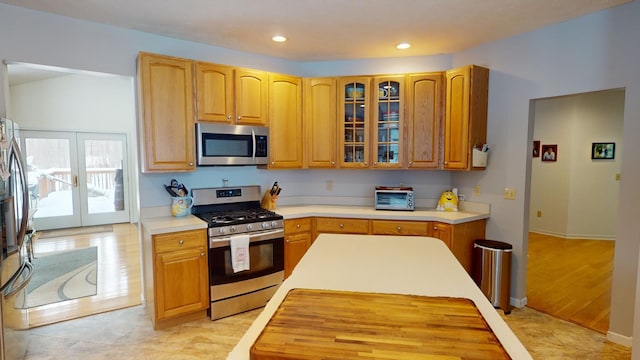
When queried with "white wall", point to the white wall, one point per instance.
{"points": [[577, 196], [590, 53], [594, 52]]}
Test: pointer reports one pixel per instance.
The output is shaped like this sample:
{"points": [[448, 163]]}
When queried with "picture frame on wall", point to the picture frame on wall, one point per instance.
{"points": [[603, 151], [536, 149], [550, 152]]}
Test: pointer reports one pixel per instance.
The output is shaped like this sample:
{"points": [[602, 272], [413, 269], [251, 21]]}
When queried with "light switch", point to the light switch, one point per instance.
{"points": [[510, 193]]}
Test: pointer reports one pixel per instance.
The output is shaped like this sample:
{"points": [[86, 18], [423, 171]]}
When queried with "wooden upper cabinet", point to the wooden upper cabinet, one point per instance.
{"points": [[214, 92], [425, 94], [166, 97], [320, 112], [251, 96], [354, 99], [387, 122], [465, 115], [285, 125]]}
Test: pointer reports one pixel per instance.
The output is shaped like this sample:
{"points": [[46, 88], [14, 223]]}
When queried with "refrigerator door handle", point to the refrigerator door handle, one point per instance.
{"points": [[24, 221]]}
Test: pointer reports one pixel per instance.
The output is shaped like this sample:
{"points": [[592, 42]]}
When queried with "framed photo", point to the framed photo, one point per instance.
{"points": [[603, 151], [549, 152], [536, 148]]}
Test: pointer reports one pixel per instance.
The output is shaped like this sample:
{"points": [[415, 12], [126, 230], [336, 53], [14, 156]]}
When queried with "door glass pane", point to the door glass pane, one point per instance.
{"points": [[103, 161], [49, 176]]}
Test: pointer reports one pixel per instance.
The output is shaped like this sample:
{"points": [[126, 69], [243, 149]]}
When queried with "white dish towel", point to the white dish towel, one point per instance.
{"points": [[239, 252]]}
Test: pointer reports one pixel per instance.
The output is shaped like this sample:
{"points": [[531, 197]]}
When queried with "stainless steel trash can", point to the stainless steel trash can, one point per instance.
{"points": [[492, 271]]}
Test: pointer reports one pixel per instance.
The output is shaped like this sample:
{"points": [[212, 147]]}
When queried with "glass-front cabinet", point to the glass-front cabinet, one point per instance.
{"points": [[388, 122], [353, 117]]}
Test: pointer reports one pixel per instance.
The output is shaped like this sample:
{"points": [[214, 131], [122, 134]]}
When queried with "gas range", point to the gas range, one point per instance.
{"points": [[233, 210]]}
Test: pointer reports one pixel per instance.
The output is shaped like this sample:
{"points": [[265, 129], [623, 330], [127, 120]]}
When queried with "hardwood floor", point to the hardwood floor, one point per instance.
{"points": [[119, 276], [128, 333], [571, 279]]}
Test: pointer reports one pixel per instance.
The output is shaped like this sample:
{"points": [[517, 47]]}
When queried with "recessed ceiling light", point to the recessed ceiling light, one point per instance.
{"points": [[403, 46], [279, 38]]}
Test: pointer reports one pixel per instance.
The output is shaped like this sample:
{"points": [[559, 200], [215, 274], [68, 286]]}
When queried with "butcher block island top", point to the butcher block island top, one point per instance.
{"points": [[327, 324], [375, 264]]}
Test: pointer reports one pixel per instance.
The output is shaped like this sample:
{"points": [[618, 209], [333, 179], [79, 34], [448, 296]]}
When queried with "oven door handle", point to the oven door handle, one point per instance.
{"points": [[226, 241]]}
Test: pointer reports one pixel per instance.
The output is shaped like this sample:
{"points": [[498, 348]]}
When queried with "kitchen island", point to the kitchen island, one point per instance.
{"points": [[392, 265]]}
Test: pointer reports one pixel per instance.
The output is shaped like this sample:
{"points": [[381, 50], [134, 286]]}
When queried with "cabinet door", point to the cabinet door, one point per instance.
{"points": [[285, 125], [320, 122], [388, 122], [166, 87], [214, 92], [295, 246], [465, 115], [424, 118], [443, 232], [353, 117], [181, 282], [251, 95]]}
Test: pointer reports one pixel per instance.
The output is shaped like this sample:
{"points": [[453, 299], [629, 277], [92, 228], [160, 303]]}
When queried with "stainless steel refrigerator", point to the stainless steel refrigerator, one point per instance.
{"points": [[15, 263]]}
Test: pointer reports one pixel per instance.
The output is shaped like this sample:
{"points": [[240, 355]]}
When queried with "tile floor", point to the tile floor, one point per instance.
{"points": [[128, 334]]}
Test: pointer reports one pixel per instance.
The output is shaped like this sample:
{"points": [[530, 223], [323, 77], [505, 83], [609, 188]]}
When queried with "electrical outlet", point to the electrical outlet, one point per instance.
{"points": [[329, 185], [617, 177], [539, 213], [510, 193], [476, 190]]}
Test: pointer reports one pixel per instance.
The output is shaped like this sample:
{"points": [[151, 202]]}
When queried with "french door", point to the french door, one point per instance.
{"points": [[76, 179]]}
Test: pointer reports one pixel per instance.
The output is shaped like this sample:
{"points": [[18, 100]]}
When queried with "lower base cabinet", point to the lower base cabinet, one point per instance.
{"points": [[297, 239], [459, 238], [176, 276]]}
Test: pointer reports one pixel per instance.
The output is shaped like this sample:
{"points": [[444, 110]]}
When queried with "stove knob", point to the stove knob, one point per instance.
{"points": [[232, 229], [265, 225], [274, 224], [222, 230], [249, 226]]}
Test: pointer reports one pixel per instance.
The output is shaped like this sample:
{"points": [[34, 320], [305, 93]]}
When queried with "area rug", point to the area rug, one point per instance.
{"points": [[63, 276], [75, 231]]}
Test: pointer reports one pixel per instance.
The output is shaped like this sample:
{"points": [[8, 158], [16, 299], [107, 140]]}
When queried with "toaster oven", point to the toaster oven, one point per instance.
{"points": [[394, 198]]}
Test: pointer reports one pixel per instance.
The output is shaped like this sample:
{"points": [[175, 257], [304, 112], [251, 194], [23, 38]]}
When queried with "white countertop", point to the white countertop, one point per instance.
{"points": [[393, 264], [365, 212], [168, 224]]}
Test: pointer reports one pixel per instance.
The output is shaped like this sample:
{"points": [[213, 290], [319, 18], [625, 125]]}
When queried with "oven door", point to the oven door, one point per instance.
{"points": [[266, 256]]}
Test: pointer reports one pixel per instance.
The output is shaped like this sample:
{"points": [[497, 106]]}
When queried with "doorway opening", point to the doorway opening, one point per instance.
{"points": [[573, 206]]}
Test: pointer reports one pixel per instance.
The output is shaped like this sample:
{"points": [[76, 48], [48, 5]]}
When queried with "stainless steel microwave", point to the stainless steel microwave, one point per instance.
{"points": [[221, 144], [394, 199]]}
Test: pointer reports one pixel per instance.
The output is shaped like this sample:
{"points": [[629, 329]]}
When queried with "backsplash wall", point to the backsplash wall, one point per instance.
{"points": [[353, 187]]}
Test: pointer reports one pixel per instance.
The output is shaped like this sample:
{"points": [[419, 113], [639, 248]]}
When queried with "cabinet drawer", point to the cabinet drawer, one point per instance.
{"points": [[387, 227], [339, 225], [297, 225], [180, 240]]}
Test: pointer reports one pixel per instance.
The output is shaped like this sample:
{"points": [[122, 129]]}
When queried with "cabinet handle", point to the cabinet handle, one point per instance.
{"points": [[366, 163], [190, 164], [298, 226], [435, 228], [399, 228], [333, 163], [287, 241], [229, 117], [181, 242], [374, 163], [239, 117], [341, 226], [446, 163], [201, 254], [273, 163], [410, 163]]}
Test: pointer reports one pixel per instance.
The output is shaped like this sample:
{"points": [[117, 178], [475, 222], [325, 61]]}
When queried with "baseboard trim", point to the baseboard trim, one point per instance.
{"points": [[519, 303], [620, 339]]}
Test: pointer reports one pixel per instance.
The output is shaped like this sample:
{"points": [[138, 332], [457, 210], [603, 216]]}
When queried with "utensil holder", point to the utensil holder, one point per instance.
{"points": [[269, 201]]}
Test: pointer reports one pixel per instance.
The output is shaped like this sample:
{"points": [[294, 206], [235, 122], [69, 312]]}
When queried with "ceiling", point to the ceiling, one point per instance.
{"points": [[328, 29]]}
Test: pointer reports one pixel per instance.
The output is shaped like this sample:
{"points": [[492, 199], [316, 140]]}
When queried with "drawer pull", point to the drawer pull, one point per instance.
{"points": [[181, 242], [201, 254], [341, 226], [399, 228], [298, 226], [288, 241]]}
